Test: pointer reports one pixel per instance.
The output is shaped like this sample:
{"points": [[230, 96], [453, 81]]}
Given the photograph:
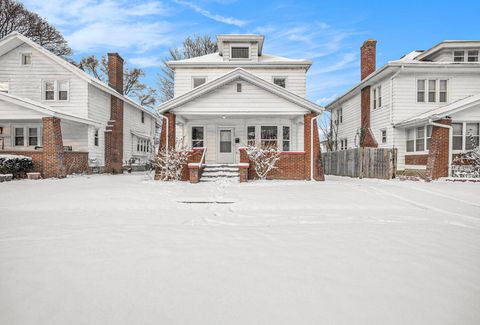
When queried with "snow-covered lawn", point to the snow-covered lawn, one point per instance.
{"points": [[125, 250]]}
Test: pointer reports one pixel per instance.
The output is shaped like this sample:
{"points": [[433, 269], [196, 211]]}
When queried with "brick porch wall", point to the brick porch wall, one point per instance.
{"points": [[53, 155], [37, 157], [437, 162], [416, 159]]}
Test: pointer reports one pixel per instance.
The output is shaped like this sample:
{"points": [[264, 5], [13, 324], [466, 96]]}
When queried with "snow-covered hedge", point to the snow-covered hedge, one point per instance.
{"points": [[16, 165]]}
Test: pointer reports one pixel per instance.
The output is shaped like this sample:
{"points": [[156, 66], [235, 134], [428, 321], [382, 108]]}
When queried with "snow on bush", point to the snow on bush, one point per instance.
{"points": [[264, 158], [14, 164], [169, 163], [467, 165]]}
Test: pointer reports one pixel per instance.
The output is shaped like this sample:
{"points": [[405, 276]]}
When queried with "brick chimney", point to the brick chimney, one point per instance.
{"points": [[368, 53], [115, 72], [114, 129]]}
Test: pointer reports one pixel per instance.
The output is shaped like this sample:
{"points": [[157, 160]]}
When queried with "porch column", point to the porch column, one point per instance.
{"points": [[171, 132], [437, 161], [53, 157], [318, 174]]}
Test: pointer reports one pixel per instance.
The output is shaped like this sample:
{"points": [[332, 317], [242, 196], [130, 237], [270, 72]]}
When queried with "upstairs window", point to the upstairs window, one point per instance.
{"points": [[197, 137], [63, 90], [95, 138], [198, 81], [26, 58], [240, 52], [377, 97], [443, 91], [49, 88], [432, 91], [56, 90], [239, 88], [343, 144], [458, 56], [4, 85], [143, 117], [472, 56], [280, 81], [420, 91], [340, 115], [384, 136]]}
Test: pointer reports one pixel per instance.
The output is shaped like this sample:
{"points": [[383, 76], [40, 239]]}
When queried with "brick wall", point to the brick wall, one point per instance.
{"points": [[171, 131], [368, 139], [37, 157], [437, 162], [368, 58], [76, 162], [53, 156], [416, 160]]}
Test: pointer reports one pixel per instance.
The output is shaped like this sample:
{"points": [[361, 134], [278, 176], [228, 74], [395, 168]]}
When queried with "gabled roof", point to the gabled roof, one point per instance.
{"points": [[449, 44], [441, 112], [215, 60], [239, 73], [16, 39], [46, 110]]}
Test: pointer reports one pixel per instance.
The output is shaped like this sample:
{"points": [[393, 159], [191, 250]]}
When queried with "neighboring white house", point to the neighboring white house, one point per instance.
{"points": [[36, 84], [397, 105], [241, 96]]}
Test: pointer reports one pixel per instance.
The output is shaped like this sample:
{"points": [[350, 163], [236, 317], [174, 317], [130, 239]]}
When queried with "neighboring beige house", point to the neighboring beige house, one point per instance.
{"points": [[41, 94], [402, 104]]}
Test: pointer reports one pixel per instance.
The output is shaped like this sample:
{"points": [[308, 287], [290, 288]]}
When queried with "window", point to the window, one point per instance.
{"points": [[240, 52], [384, 136], [280, 81], [143, 117], [32, 136], [429, 135], [472, 135], [340, 115], [251, 136], [377, 97], [19, 137], [410, 140], [26, 58], [63, 90], [432, 91], [4, 85], [49, 87], [458, 56], [197, 137], [472, 56], [269, 136], [420, 139], [239, 88], [420, 91], [95, 138], [443, 91], [457, 136], [198, 81], [286, 138], [343, 144], [143, 145]]}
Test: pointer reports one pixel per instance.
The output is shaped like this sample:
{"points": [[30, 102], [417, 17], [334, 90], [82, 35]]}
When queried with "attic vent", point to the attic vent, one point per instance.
{"points": [[239, 88], [240, 52]]}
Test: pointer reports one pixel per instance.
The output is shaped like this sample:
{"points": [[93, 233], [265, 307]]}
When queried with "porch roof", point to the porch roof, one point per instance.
{"points": [[45, 110], [441, 112], [242, 74]]}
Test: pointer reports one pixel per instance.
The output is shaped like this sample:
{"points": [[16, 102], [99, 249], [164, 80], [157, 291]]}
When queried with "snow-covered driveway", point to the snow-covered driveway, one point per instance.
{"points": [[124, 250]]}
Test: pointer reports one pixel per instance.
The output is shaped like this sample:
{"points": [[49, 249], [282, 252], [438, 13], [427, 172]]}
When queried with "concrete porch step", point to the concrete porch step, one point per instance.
{"points": [[220, 174]]}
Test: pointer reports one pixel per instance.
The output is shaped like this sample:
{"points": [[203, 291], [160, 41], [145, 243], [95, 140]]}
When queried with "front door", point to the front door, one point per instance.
{"points": [[225, 146]]}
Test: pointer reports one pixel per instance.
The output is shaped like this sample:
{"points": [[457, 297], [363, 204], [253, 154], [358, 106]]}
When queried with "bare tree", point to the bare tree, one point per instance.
{"points": [[132, 85], [264, 158], [329, 129], [169, 163], [191, 47], [15, 17]]}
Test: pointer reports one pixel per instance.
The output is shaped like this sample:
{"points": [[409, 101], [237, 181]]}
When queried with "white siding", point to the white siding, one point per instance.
{"points": [[226, 99], [351, 121], [75, 135], [99, 106], [133, 122], [26, 81], [380, 117], [296, 78]]}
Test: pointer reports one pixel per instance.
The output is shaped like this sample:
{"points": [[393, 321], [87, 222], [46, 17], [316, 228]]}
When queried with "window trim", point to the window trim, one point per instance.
{"points": [[382, 138], [22, 54], [465, 55], [198, 77], [344, 144], [204, 135], [258, 136], [426, 91], [55, 90], [376, 98], [240, 45], [464, 135], [142, 117], [26, 135], [280, 77], [96, 137]]}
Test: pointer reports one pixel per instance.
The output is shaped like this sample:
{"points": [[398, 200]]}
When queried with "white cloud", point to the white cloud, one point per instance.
{"points": [[146, 61], [208, 14]]}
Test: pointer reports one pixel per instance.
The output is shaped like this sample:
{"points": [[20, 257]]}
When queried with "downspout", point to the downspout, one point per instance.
{"points": [[391, 102], [450, 143], [311, 143], [166, 131]]}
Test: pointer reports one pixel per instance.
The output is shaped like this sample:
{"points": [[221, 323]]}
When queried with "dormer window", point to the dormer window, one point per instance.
{"points": [[198, 81], [458, 56], [473, 56], [26, 58], [465, 56], [240, 52], [280, 81]]}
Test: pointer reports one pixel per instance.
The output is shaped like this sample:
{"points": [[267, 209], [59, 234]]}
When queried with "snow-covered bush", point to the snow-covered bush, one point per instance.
{"points": [[467, 165], [264, 159], [16, 165], [169, 163]]}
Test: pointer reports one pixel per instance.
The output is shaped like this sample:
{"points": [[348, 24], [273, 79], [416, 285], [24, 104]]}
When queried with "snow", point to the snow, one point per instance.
{"points": [[125, 250]]}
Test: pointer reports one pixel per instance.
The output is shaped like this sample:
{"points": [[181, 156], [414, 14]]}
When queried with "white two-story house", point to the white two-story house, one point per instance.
{"points": [[66, 120], [241, 96], [426, 105]]}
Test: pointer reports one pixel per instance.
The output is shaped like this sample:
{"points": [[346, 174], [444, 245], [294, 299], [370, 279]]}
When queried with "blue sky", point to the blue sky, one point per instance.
{"points": [[327, 32]]}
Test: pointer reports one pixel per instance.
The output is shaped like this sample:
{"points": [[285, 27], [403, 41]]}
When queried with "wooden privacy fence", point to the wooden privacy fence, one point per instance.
{"points": [[361, 162]]}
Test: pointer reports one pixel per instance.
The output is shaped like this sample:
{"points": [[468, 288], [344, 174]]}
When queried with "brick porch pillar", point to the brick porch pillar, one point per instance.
{"points": [[437, 162], [171, 132], [53, 157], [318, 174]]}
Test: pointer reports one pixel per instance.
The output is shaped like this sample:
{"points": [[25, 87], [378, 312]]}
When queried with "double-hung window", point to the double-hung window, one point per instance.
{"points": [[377, 97], [56, 90], [269, 136], [420, 139], [432, 90], [197, 137], [410, 140], [251, 136], [19, 137], [95, 138], [420, 91], [142, 117], [280, 81], [472, 55], [384, 136], [459, 56], [49, 89], [286, 138], [343, 144], [27, 136], [466, 135], [472, 135], [457, 136]]}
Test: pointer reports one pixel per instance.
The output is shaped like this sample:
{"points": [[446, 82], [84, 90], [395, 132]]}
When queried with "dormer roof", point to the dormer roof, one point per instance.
{"points": [[240, 38], [448, 44]]}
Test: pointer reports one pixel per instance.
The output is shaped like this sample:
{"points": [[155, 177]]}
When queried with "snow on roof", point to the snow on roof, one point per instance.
{"points": [[215, 58], [443, 111]]}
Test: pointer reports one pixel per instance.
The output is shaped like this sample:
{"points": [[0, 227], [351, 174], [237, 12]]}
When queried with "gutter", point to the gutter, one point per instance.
{"points": [[450, 143], [311, 143]]}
